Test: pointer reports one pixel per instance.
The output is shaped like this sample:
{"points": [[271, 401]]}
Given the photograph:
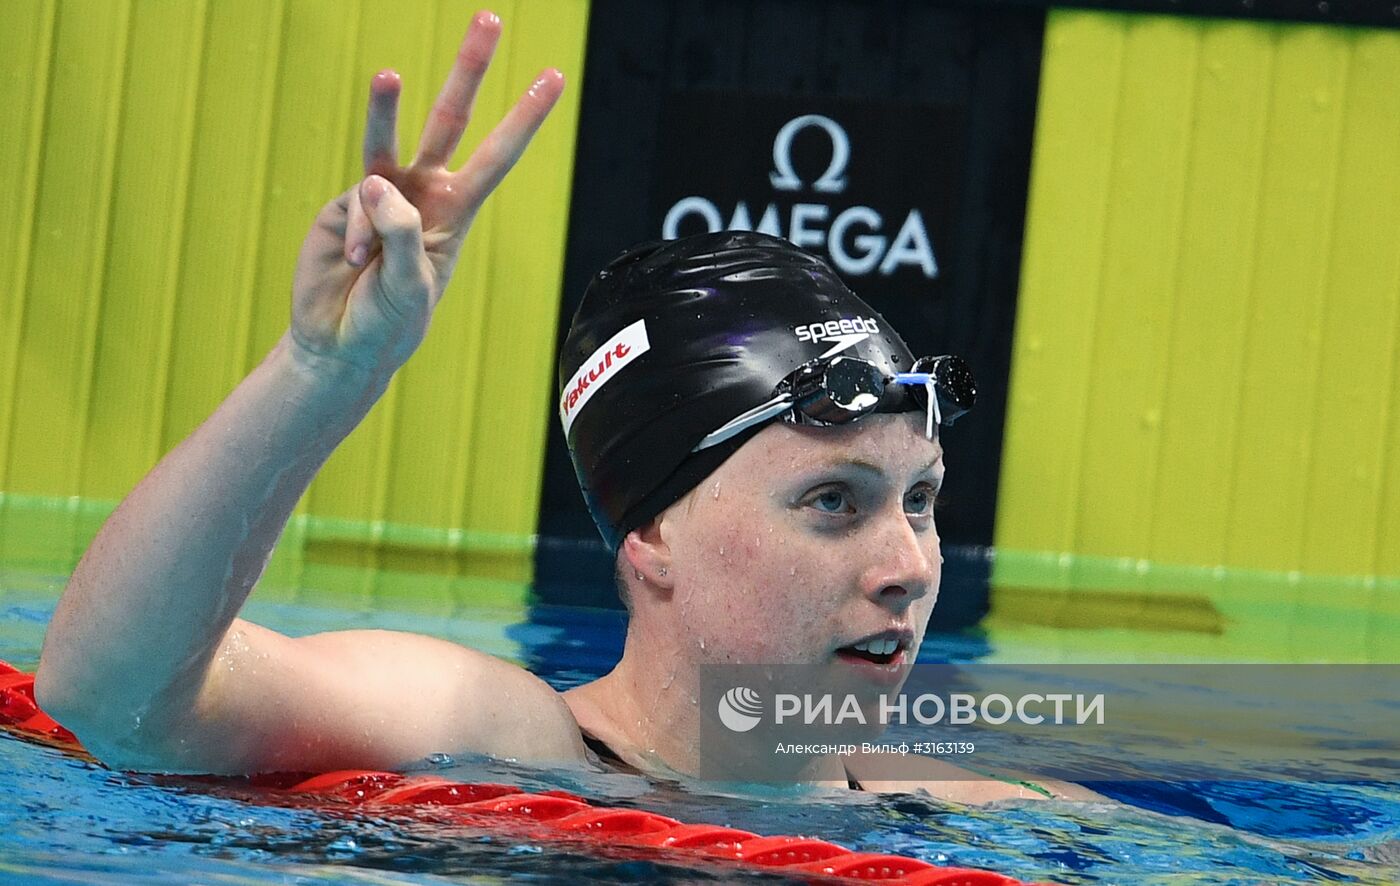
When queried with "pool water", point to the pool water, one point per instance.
{"points": [[65, 821]]}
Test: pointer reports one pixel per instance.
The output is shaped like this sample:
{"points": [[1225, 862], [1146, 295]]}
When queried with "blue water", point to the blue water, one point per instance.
{"points": [[66, 821]]}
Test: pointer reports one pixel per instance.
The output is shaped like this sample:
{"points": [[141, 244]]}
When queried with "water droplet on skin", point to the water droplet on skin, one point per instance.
{"points": [[702, 642], [721, 552]]}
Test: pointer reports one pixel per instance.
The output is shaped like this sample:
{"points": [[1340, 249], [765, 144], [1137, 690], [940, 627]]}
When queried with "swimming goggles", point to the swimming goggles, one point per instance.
{"points": [[838, 390]]}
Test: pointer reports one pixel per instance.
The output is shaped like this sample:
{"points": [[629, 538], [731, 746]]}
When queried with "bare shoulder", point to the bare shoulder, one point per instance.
{"points": [[368, 699], [946, 781], [450, 698]]}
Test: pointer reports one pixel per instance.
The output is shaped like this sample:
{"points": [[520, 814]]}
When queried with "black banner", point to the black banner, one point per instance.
{"points": [[895, 139]]}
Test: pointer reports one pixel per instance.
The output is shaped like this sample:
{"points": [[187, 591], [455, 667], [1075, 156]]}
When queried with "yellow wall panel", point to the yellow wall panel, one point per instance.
{"points": [[1360, 328], [1200, 398], [1205, 362], [322, 88], [168, 160], [1147, 164], [1269, 505], [508, 427], [26, 47], [1054, 335], [226, 192], [68, 253], [138, 293]]}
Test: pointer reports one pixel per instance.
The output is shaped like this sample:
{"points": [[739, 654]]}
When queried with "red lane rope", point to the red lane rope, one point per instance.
{"points": [[553, 816]]}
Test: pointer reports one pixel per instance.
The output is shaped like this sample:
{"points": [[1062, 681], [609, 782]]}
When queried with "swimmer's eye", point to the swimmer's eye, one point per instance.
{"points": [[921, 501], [831, 500]]}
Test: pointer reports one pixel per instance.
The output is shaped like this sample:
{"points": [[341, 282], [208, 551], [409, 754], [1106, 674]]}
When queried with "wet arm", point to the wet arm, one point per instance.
{"points": [[145, 658], [150, 602]]}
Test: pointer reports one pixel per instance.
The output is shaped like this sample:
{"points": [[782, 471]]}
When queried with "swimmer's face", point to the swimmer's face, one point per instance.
{"points": [[808, 541]]}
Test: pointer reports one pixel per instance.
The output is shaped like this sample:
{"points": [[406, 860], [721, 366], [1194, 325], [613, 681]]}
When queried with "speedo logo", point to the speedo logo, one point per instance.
{"points": [[841, 333], [600, 368]]}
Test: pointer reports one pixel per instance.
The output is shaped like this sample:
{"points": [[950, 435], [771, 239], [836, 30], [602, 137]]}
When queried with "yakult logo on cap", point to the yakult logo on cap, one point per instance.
{"points": [[598, 369]]}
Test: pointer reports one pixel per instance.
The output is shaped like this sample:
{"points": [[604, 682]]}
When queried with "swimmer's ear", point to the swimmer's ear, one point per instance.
{"points": [[648, 555]]}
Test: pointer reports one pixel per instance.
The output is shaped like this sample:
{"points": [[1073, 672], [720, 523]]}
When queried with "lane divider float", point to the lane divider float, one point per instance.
{"points": [[557, 817]]}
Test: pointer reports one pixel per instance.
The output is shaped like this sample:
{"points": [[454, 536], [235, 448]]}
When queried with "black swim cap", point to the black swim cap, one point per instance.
{"points": [[674, 339]]}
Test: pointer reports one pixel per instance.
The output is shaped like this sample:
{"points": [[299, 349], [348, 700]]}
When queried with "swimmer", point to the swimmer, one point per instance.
{"points": [[765, 474]]}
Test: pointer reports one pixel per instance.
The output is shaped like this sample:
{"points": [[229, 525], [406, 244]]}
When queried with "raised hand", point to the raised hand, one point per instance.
{"points": [[379, 256]]}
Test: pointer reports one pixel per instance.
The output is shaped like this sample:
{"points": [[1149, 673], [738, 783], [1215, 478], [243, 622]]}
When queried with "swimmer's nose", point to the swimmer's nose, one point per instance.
{"points": [[903, 566]]}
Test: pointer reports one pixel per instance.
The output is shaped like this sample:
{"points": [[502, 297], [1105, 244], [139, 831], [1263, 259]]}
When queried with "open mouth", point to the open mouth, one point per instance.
{"points": [[879, 651]]}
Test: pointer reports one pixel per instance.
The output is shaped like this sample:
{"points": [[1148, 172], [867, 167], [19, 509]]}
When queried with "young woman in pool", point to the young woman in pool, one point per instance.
{"points": [[710, 421]]}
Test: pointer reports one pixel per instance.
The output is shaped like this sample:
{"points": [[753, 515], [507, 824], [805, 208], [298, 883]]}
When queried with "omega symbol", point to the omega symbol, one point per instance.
{"points": [[784, 178]]}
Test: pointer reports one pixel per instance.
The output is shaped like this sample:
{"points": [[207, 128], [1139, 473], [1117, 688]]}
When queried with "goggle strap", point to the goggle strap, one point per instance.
{"points": [[757, 415], [930, 383], [935, 415]]}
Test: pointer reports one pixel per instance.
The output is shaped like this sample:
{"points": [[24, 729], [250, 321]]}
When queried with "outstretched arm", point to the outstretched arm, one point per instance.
{"points": [[145, 658]]}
